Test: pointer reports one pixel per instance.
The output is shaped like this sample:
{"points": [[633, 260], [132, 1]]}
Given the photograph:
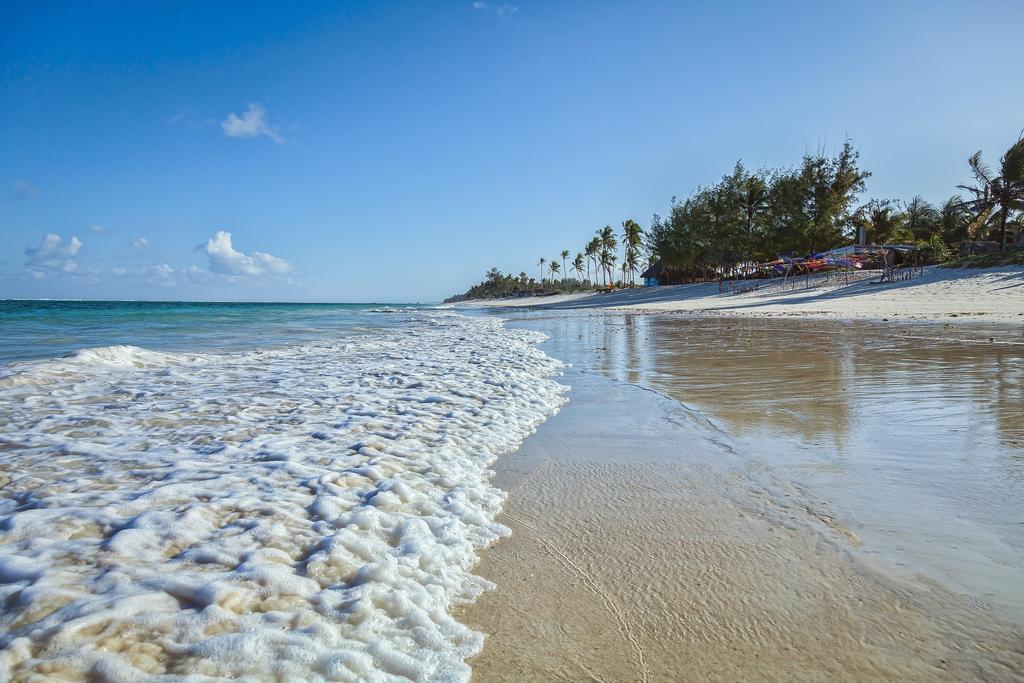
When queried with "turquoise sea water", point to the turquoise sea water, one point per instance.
{"points": [[45, 329]]}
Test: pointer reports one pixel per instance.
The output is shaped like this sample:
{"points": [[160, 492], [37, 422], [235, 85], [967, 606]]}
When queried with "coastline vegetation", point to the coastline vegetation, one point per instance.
{"points": [[749, 217]]}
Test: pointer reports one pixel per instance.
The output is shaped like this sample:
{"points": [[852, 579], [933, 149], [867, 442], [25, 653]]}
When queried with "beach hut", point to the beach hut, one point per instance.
{"points": [[650, 276]]}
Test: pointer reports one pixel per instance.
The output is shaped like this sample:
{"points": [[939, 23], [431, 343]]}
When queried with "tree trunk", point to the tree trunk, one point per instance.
{"points": [[1002, 229]]}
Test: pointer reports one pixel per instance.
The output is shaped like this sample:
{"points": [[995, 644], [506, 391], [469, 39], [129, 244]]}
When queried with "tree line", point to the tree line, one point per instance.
{"points": [[753, 216]]}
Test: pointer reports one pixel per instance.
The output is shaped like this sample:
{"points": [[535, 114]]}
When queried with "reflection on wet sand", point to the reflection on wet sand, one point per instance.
{"points": [[819, 381], [914, 433], [651, 545]]}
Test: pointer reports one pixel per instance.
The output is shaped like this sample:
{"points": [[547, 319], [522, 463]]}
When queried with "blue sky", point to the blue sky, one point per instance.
{"points": [[393, 151]]}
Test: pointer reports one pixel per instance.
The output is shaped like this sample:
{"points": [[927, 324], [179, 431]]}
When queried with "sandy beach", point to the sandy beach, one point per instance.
{"points": [[989, 295], [345, 342], [659, 540]]}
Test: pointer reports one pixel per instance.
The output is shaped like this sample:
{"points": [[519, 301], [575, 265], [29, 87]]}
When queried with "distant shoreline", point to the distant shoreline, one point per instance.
{"points": [[938, 295]]}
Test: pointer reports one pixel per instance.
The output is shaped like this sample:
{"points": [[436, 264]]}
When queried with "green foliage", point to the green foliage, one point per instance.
{"points": [[757, 216], [883, 222], [922, 219], [749, 217], [497, 285], [934, 250], [632, 241], [954, 220], [996, 199], [992, 259]]}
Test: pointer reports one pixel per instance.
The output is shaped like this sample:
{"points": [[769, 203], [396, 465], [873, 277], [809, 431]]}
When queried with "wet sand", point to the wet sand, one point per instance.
{"points": [[651, 543]]}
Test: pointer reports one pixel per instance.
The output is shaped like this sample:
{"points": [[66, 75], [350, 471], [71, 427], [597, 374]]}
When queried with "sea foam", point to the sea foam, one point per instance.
{"points": [[307, 512]]}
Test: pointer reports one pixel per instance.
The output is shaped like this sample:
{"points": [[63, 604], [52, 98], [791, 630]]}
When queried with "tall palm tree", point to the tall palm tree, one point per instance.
{"points": [[606, 236], [553, 266], [607, 260], [631, 240], [630, 263], [1008, 187], [565, 255], [541, 264], [592, 249], [981, 202], [577, 265]]}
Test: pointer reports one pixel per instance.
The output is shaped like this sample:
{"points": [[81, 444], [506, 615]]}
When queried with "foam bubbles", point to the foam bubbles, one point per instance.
{"points": [[309, 512]]}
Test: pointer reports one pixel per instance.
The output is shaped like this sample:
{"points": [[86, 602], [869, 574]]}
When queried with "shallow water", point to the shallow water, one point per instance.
{"points": [[909, 438]]}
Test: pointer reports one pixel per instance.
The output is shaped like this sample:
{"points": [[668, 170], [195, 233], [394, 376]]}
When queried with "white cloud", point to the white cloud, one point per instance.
{"points": [[506, 10], [163, 274], [225, 260], [23, 190], [140, 243], [502, 11], [53, 255], [98, 229], [251, 124]]}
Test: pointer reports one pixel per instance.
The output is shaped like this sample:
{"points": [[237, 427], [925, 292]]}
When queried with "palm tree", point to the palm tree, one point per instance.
{"points": [[521, 282], [577, 265], [541, 264], [592, 249], [881, 224], [922, 218], [607, 260], [630, 264], [953, 220], [982, 202], [1008, 187], [565, 255], [553, 266], [606, 237], [631, 239]]}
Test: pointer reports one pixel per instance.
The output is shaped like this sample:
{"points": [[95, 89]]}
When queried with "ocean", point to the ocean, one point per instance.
{"points": [[248, 491]]}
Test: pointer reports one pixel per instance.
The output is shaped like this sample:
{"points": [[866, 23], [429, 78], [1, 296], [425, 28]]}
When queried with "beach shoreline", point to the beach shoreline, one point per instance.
{"points": [[989, 295], [648, 545]]}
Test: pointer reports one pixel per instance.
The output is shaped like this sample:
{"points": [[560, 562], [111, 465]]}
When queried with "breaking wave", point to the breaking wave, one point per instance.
{"points": [[304, 512]]}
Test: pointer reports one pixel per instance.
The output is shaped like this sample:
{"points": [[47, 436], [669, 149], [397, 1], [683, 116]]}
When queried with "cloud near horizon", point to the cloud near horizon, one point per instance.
{"points": [[57, 259], [225, 260], [251, 124], [53, 255]]}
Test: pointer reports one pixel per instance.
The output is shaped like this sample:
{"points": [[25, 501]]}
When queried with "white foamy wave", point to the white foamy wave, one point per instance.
{"points": [[81, 362], [300, 513]]}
